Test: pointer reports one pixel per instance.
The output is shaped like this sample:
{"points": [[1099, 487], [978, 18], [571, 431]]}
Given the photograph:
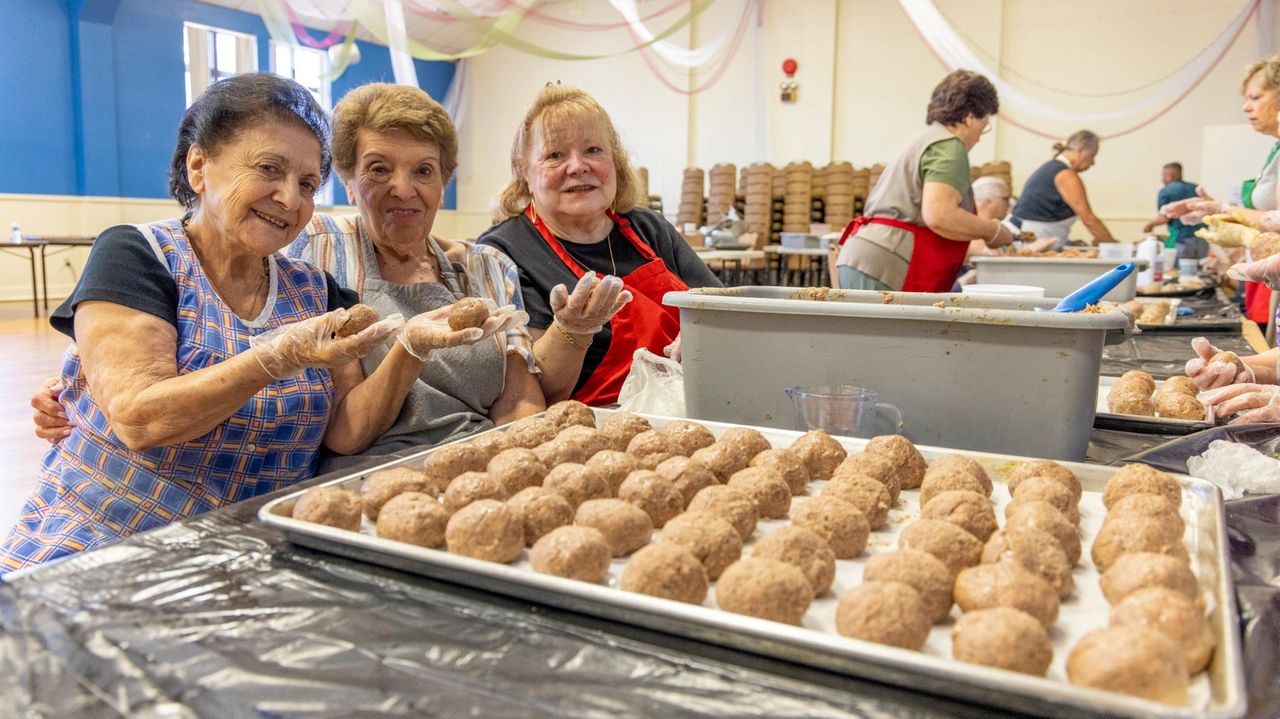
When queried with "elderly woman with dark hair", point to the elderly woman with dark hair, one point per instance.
{"points": [[917, 224], [206, 367]]}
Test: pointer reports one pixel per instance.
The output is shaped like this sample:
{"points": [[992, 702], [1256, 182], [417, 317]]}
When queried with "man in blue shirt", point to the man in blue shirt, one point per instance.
{"points": [[1181, 236]]}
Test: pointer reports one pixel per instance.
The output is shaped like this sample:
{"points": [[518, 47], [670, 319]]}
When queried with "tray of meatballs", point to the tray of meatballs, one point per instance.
{"points": [[1060, 589], [1137, 402]]}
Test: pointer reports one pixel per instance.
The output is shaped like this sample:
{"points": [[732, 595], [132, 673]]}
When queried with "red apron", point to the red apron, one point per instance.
{"points": [[935, 260], [642, 322]]}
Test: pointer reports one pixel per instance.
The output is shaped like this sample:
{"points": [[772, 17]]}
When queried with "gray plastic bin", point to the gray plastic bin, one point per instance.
{"points": [[1059, 277], [970, 372]]}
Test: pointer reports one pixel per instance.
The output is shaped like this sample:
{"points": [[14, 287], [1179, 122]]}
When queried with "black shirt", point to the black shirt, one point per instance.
{"points": [[540, 269], [123, 269]]}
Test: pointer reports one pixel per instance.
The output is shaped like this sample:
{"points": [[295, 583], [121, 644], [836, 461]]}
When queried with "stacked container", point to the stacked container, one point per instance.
{"points": [[838, 203], [692, 204], [797, 196], [722, 193], [757, 188]]}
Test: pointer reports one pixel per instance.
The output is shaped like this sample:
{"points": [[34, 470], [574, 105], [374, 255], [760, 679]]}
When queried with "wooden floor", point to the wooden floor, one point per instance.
{"points": [[30, 352]]}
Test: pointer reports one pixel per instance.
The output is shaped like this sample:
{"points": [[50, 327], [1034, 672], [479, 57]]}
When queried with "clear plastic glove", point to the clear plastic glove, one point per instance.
{"points": [[1228, 231], [50, 419], [430, 330], [1192, 210], [1209, 375], [286, 351], [673, 350], [593, 302], [1266, 271], [1270, 221], [1249, 402]]}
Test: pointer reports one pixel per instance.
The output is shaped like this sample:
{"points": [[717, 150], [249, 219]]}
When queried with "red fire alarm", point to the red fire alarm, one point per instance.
{"points": [[789, 86]]}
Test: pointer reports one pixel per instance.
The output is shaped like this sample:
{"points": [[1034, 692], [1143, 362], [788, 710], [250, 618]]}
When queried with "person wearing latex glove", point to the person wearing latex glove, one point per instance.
{"points": [[431, 331], [1245, 403], [207, 368], [1210, 369], [594, 263]]}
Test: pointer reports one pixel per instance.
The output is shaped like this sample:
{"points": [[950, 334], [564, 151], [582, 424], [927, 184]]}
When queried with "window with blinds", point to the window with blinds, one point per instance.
{"points": [[211, 54]]}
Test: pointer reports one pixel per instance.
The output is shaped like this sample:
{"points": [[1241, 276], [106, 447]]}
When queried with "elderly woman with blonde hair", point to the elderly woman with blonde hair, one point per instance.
{"points": [[572, 216]]}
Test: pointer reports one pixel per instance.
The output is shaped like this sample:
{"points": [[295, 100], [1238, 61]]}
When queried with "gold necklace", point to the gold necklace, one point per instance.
{"points": [[613, 263]]}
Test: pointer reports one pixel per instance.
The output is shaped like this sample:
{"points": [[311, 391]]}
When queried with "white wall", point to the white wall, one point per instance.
{"points": [[865, 78]]}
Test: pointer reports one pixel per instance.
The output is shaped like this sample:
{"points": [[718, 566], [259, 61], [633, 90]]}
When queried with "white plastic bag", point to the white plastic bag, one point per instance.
{"points": [[655, 385]]}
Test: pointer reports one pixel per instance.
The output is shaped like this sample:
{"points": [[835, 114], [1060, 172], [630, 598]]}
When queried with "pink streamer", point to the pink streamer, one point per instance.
{"points": [[337, 35], [715, 76]]}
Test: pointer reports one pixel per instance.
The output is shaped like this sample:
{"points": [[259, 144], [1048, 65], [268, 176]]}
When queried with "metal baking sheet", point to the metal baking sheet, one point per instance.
{"points": [[1188, 292], [1225, 318], [1216, 693], [1170, 319], [1105, 419]]}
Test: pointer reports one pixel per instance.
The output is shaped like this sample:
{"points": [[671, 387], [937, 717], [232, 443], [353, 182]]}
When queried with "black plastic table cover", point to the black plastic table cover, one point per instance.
{"points": [[220, 616], [1164, 354]]}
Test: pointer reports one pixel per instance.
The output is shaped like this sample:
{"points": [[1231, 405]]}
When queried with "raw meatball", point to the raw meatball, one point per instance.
{"points": [[576, 483], [1139, 377], [541, 511], [970, 511], [751, 441], [359, 318], [1181, 384], [787, 465], [570, 411], [579, 553], [876, 466], [910, 463], [1036, 550], [869, 496], [530, 432], [379, 487], [688, 476], [767, 488], [486, 529], [468, 312], [471, 486], [559, 451], [614, 466], [1046, 518], [649, 442], [819, 452], [1176, 405], [734, 505], [1135, 533], [330, 506], [625, 525], [658, 496], [1175, 616], [415, 518], [937, 481], [1043, 489], [1137, 570], [805, 550], [1141, 479], [669, 571], [889, 613], [711, 539], [1002, 637], [1148, 505], [960, 463], [1006, 584], [516, 469], [1130, 660], [1049, 469], [651, 461], [836, 521], [590, 439], [620, 427], [452, 460], [765, 588], [685, 437], [722, 459], [954, 546], [490, 444], [1131, 402], [922, 571]]}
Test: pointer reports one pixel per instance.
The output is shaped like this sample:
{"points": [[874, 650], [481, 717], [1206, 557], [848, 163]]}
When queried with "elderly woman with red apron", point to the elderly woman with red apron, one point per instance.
{"points": [[919, 219], [571, 217]]}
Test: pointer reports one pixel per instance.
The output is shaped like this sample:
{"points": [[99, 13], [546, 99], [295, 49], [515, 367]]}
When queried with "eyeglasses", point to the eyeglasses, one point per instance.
{"points": [[987, 129]]}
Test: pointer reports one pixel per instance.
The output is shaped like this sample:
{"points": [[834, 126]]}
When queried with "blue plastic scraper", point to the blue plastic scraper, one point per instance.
{"points": [[1095, 289]]}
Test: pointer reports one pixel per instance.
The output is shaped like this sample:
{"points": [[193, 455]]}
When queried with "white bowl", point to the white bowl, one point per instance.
{"points": [[1003, 290], [1115, 250]]}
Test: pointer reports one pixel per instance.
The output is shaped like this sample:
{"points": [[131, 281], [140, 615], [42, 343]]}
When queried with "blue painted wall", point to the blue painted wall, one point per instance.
{"points": [[94, 91]]}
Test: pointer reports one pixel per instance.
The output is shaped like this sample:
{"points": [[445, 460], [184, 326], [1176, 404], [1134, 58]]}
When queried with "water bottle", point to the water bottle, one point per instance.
{"points": [[1149, 250], [15, 234]]}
